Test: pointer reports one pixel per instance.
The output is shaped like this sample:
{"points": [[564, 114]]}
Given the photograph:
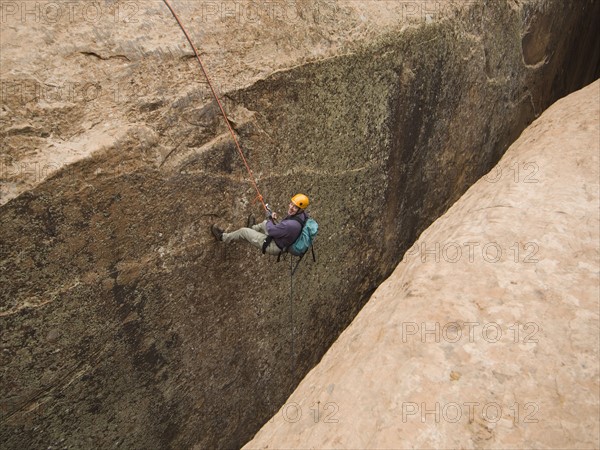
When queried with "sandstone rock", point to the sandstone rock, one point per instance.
{"points": [[496, 347], [115, 162]]}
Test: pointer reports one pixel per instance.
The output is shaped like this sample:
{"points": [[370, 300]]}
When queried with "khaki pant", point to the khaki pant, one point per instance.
{"points": [[255, 236]]}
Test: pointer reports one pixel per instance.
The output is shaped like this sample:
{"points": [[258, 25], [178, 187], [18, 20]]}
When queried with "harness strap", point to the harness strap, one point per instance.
{"points": [[266, 244]]}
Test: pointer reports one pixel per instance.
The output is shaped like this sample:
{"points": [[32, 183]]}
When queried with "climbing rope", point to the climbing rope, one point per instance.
{"points": [[237, 144], [252, 179]]}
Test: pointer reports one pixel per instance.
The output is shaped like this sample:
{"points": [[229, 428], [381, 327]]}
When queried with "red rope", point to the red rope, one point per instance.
{"points": [[239, 149]]}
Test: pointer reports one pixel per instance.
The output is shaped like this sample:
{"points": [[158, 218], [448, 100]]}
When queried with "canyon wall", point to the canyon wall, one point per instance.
{"points": [[486, 334], [123, 321]]}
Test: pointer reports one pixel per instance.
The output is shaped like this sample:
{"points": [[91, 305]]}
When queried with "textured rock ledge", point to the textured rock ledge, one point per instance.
{"points": [[486, 334]]}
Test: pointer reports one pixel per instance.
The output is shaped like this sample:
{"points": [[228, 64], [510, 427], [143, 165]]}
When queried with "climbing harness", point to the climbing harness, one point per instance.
{"points": [[283, 251], [269, 239], [214, 93]]}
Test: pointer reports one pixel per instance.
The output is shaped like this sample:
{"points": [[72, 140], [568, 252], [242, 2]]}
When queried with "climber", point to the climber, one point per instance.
{"points": [[271, 237]]}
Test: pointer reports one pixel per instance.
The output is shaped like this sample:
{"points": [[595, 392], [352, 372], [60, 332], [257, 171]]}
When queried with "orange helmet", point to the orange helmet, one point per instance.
{"points": [[300, 200]]}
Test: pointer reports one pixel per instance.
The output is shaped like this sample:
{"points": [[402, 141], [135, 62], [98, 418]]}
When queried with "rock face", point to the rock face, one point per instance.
{"points": [[486, 334], [123, 322]]}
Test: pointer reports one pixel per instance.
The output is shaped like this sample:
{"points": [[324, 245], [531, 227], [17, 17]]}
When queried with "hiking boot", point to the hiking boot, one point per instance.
{"points": [[251, 221], [217, 232]]}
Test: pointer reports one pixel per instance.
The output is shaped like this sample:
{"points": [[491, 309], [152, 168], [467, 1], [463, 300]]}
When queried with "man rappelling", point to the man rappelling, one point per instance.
{"points": [[290, 235], [271, 237]]}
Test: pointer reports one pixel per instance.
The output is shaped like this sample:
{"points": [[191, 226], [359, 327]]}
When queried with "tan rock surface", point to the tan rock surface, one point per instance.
{"points": [[77, 65], [486, 334]]}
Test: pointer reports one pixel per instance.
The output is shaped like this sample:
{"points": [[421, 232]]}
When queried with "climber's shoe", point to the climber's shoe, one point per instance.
{"points": [[217, 232], [251, 221]]}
